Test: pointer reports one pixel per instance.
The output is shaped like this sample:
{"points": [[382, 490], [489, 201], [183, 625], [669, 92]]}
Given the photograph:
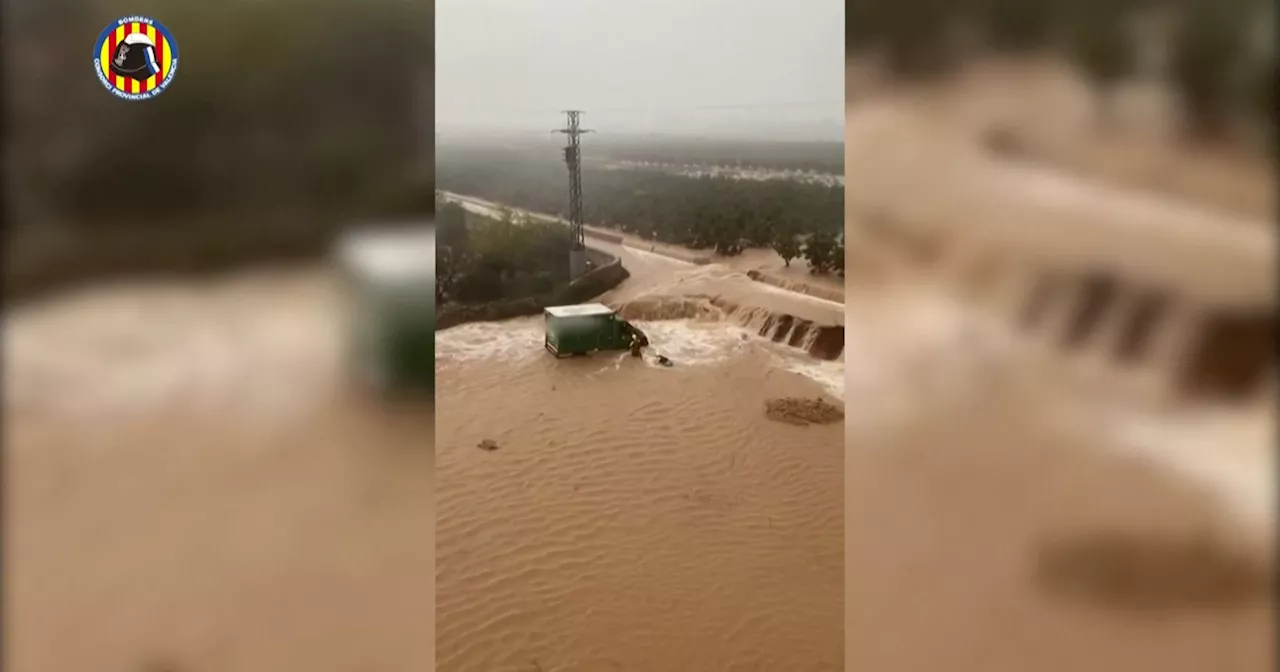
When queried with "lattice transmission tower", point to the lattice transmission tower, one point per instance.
{"points": [[573, 159]]}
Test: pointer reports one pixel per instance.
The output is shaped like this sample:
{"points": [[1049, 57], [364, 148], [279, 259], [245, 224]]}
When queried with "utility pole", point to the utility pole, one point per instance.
{"points": [[573, 159]]}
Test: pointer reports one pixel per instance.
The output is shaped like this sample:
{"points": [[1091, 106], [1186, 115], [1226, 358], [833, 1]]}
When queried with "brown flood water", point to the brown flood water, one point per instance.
{"points": [[189, 486], [636, 517], [982, 537]]}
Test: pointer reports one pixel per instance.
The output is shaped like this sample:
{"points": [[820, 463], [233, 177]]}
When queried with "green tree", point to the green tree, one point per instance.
{"points": [[480, 284], [725, 235], [787, 247], [819, 252], [507, 256], [704, 213], [757, 229], [496, 243], [448, 263]]}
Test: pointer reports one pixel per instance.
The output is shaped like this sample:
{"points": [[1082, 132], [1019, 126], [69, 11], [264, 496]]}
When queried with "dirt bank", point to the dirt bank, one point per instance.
{"points": [[803, 412]]}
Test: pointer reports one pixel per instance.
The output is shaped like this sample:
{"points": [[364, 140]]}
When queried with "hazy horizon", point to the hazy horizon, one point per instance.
{"points": [[755, 69], [497, 133]]}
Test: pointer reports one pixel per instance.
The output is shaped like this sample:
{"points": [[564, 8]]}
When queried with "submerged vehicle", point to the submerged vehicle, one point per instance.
{"points": [[584, 328], [389, 278]]}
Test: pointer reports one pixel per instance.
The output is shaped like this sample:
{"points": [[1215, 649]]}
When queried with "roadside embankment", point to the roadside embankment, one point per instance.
{"points": [[607, 274]]}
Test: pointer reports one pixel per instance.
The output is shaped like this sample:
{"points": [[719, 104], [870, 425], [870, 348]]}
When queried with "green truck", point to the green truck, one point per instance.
{"points": [[389, 280], [588, 327]]}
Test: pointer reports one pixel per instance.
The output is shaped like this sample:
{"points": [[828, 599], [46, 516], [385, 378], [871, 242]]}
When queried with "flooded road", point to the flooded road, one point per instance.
{"points": [[629, 503]]}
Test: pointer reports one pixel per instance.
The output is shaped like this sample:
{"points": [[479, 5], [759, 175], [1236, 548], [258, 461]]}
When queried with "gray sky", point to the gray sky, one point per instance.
{"points": [[642, 66]]}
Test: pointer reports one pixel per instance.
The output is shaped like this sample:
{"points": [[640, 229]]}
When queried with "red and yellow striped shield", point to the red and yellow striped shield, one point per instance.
{"points": [[164, 57]]}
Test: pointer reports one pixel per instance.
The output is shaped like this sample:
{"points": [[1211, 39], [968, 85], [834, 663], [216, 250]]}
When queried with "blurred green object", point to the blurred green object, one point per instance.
{"points": [[389, 274]]}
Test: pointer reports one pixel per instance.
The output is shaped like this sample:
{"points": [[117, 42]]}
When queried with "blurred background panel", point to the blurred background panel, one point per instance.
{"points": [[285, 119], [1172, 96], [196, 476], [1062, 216]]}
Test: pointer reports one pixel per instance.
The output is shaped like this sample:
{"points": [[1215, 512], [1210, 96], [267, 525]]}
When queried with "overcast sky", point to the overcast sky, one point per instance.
{"points": [[725, 67]]}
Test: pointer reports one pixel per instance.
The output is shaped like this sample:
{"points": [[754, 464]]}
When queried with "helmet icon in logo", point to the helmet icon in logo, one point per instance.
{"points": [[135, 58]]}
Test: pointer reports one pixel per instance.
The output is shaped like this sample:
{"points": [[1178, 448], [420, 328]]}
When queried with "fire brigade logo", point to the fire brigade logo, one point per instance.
{"points": [[135, 58]]}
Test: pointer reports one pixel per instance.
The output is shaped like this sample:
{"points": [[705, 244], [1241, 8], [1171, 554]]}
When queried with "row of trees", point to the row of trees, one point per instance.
{"points": [[720, 214], [481, 259], [1215, 61], [822, 252], [820, 157]]}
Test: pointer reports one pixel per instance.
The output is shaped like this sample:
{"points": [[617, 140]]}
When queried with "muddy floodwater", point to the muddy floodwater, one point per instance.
{"points": [[1008, 506], [191, 486], [628, 503]]}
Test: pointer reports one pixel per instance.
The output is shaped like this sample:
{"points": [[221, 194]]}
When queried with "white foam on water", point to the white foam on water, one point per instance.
{"points": [[701, 343], [799, 296], [512, 340], [828, 375], [693, 343], [685, 343]]}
